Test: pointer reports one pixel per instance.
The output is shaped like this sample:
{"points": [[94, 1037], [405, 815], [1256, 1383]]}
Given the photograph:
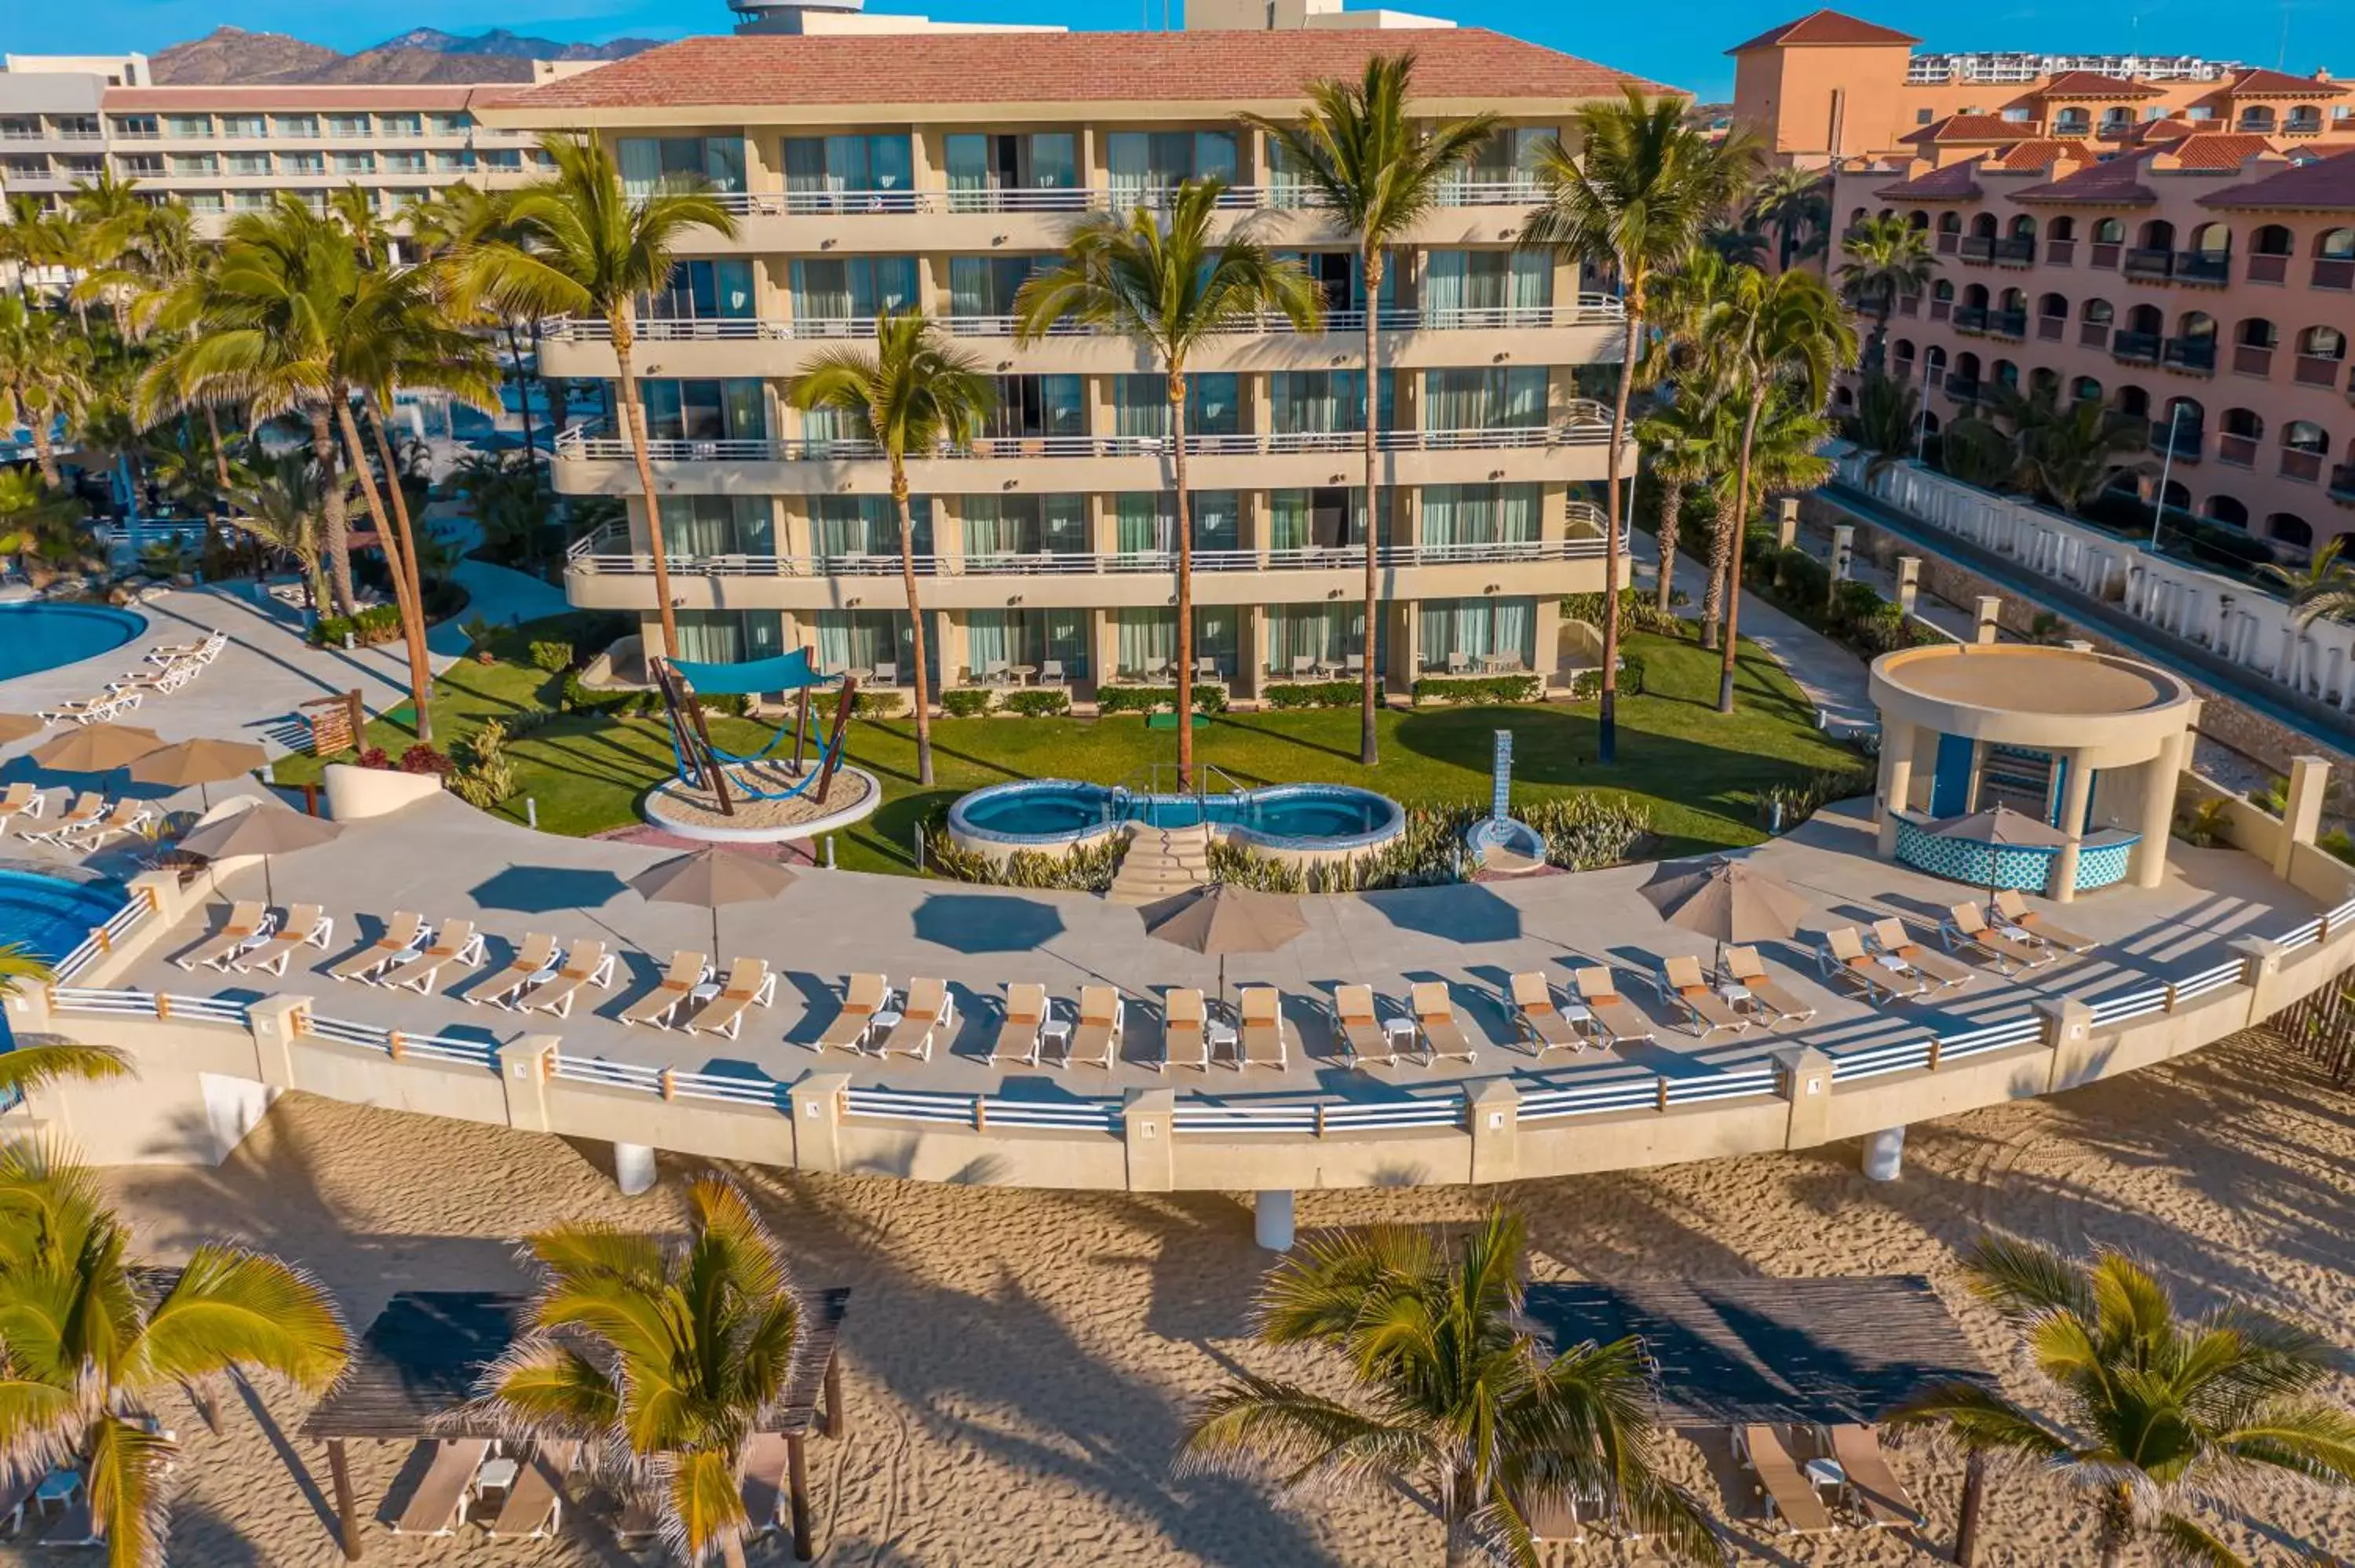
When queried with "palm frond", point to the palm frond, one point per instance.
{"points": [[233, 1308]]}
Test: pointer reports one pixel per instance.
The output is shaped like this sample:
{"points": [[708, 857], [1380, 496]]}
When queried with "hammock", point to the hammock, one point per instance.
{"points": [[737, 781]]}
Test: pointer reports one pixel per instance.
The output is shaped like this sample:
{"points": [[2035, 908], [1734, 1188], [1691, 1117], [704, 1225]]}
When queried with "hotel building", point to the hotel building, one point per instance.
{"points": [[939, 169]]}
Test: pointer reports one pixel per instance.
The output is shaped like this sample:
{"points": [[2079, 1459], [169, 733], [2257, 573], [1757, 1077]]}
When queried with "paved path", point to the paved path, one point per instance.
{"points": [[501, 596]]}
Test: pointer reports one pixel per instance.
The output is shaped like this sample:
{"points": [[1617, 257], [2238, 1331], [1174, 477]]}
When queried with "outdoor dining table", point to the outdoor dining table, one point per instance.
{"points": [[1022, 673]]}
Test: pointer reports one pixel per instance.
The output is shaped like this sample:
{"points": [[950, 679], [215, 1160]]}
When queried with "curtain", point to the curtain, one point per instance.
{"points": [[1218, 637], [1147, 522], [1287, 520], [1481, 513], [868, 524], [1213, 405], [1217, 516], [1443, 286], [1328, 633], [730, 636], [862, 638], [1511, 398], [1316, 401], [641, 166], [1473, 627], [1146, 636], [986, 644]]}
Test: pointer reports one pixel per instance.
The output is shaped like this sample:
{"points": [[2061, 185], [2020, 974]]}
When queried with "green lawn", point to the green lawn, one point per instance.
{"points": [[1698, 771]]}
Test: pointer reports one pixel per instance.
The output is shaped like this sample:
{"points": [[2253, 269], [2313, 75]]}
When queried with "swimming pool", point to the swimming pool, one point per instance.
{"points": [[51, 915], [1055, 814], [39, 634]]}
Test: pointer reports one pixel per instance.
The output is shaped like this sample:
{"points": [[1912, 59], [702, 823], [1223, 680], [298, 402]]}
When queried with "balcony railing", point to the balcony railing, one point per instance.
{"points": [[2149, 262], [2196, 354], [2051, 329], [2251, 359], [2300, 464], [2015, 253], [1282, 195], [1965, 389], [2183, 442], [2239, 452], [2134, 347], [2008, 323], [1977, 248], [2267, 270], [1970, 319], [2331, 272], [2061, 253], [2104, 255], [2208, 267], [2314, 370], [2342, 485], [2092, 335]]}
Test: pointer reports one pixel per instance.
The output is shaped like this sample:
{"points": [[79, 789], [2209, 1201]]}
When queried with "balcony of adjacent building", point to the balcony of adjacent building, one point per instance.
{"points": [[1987, 244]]}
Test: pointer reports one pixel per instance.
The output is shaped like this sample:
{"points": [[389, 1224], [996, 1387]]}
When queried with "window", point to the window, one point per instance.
{"points": [[846, 526], [1146, 640], [1476, 627], [1480, 515], [1504, 166], [847, 174], [350, 127], [650, 162], [1324, 402], [1145, 524], [704, 291], [2322, 342], [1324, 518], [730, 636], [249, 201], [297, 127], [2109, 231], [2200, 112], [190, 126], [1213, 405], [203, 201], [244, 127], [404, 161], [734, 410], [355, 163], [140, 167], [2017, 116], [1485, 400], [1923, 116], [1024, 525], [302, 164], [454, 160], [868, 639], [1146, 164], [247, 164], [195, 165], [853, 288], [2304, 436], [400, 125], [453, 125], [1044, 166], [506, 160], [1001, 638], [985, 286], [1321, 634], [1032, 407], [1501, 287], [137, 127], [704, 525]]}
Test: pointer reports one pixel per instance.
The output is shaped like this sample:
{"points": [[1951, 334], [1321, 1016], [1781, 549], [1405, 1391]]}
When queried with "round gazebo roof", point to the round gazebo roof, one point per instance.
{"points": [[2063, 699]]}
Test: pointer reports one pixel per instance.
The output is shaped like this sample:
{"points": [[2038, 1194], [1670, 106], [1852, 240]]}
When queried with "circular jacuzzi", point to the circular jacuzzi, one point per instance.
{"points": [[1052, 816]]}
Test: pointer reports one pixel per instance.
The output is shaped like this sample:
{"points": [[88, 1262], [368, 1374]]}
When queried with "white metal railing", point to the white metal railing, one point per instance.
{"points": [[1588, 1099], [399, 1044], [1590, 310], [1149, 192], [669, 1083], [101, 940]]}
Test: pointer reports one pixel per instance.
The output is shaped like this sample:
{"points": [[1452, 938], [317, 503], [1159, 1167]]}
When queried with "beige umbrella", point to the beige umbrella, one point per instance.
{"points": [[709, 877], [17, 726], [198, 762], [264, 829], [1222, 918], [97, 748], [1725, 901], [2002, 825]]}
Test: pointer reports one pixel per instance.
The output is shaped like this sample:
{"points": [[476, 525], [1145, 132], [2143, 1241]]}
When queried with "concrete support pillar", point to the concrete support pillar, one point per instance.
{"points": [[2074, 796], [817, 1121], [1909, 582], [2160, 775], [1989, 619], [1897, 743], [1807, 1086], [525, 1067], [1786, 522], [276, 1023], [1148, 1128], [2310, 780], [1884, 1154], [2068, 1035], [2261, 960], [1493, 1115], [1843, 553], [633, 1168], [1271, 1219]]}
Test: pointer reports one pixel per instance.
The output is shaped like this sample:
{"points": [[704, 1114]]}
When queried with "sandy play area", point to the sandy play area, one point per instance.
{"points": [[1020, 1361]]}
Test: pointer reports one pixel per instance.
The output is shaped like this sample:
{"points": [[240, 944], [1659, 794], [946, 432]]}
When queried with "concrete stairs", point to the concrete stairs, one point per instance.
{"points": [[1161, 862]]}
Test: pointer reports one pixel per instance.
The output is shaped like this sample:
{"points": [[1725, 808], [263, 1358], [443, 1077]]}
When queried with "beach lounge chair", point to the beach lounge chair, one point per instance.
{"points": [[2012, 906], [866, 996], [305, 926], [89, 710], [1790, 1494], [1618, 1017], [457, 942], [639, 1522], [21, 801], [1543, 1024], [204, 650], [1842, 952], [1551, 1516], [1966, 926], [534, 961], [440, 1501], [1185, 1030], [587, 967], [750, 983], [1892, 937], [86, 808], [400, 934], [1018, 1029], [247, 922], [164, 678], [1873, 1491], [1743, 967], [766, 1455], [77, 1526], [1096, 1042], [1262, 1043], [534, 1505], [930, 1010], [1359, 1027], [120, 818], [660, 1005], [1685, 990], [1434, 1019], [16, 1492]]}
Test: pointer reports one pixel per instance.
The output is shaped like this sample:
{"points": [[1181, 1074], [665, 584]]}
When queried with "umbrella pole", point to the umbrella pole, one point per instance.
{"points": [[715, 933], [269, 887]]}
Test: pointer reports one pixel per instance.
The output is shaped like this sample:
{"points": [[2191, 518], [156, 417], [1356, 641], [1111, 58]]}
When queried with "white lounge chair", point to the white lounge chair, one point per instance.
{"points": [[1744, 968], [588, 967], [930, 1011], [1185, 1030], [866, 996], [400, 936], [1096, 1041], [439, 1503], [535, 961], [1620, 1022], [86, 808], [2012, 906], [1683, 987], [1434, 1016], [249, 923], [750, 983], [305, 926], [1892, 937], [1843, 953], [661, 1005], [1543, 1024], [1018, 1031], [121, 818], [22, 803], [456, 943], [1262, 1042]]}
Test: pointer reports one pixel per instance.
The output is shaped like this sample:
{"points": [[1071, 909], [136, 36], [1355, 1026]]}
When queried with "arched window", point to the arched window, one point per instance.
{"points": [[2072, 122], [2273, 239], [2023, 226], [2012, 300], [1967, 366], [2229, 511], [2158, 235], [2322, 342], [2045, 382], [1856, 219], [2054, 306], [1933, 358], [2197, 325], [2063, 227], [2244, 422], [2086, 389], [2007, 373], [2145, 319], [1950, 222], [1975, 297], [2212, 240], [1983, 225], [1929, 422], [2239, 437], [1842, 397], [1886, 213], [2117, 118], [2256, 332], [1901, 356], [2290, 529], [2256, 119], [2304, 120], [2335, 245], [2304, 436], [1917, 218], [2099, 313], [1942, 290], [2176, 496], [2186, 415], [2133, 402]]}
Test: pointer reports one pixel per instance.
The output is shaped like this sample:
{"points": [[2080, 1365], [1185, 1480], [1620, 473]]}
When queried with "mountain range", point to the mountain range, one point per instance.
{"points": [[231, 54]]}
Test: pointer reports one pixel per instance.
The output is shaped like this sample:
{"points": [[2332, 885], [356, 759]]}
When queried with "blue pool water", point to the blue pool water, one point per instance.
{"points": [[1059, 810], [52, 916], [37, 635]]}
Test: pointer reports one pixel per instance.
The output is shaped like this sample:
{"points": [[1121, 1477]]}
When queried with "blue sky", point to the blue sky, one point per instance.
{"points": [[1684, 47]]}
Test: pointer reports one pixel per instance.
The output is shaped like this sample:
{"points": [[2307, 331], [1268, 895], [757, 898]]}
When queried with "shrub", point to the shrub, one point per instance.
{"points": [[1088, 868], [725, 704], [1782, 807], [1315, 694], [374, 757], [1153, 699], [966, 701], [579, 698], [2204, 823], [2337, 845], [1800, 577], [444, 597], [1040, 702], [1638, 611], [519, 724], [484, 775], [423, 758], [1459, 690], [376, 624], [878, 705], [1587, 832], [551, 657]]}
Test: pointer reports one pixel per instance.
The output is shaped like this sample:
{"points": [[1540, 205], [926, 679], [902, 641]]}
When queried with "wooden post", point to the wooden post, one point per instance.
{"points": [[797, 1493], [842, 707], [347, 1517], [801, 728], [837, 1420], [687, 721], [1967, 1524]]}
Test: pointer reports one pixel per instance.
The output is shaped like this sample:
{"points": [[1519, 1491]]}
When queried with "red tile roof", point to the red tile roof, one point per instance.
{"points": [[1952, 182], [265, 97], [2093, 84], [1222, 68], [1969, 128], [2117, 183], [2322, 184], [2041, 154], [1825, 27], [2217, 150], [2261, 83]]}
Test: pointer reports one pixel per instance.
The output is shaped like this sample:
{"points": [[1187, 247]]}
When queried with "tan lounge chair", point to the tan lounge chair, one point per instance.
{"points": [[657, 1007], [1873, 1491], [1683, 987], [535, 958], [305, 926], [22, 801], [1434, 1017], [1892, 937], [1743, 966], [441, 1498], [866, 996], [1262, 1042], [1792, 1498], [247, 922], [1364, 1041], [86, 808], [1096, 1042], [1965, 925], [456, 943], [750, 983], [766, 1455], [1018, 1031], [1185, 1030], [1552, 1518], [534, 1505], [400, 934], [588, 967], [1842, 952], [2013, 906], [930, 1010], [1621, 1024], [121, 818], [1543, 1024], [77, 1526]]}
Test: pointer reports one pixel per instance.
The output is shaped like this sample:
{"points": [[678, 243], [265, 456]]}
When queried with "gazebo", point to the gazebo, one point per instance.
{"points": [[419, 1363]]}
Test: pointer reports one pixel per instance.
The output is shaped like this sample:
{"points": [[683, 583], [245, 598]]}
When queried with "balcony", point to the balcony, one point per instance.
{"points": [[2092, 335], [2299, 464], [2333, 272], [2193, 355], [1909, 305], [2010, 324], [1965, 389], [2061, 253], [2051, 329], [2250, 359], [2104, 255], [2207, 269], [2314, 370], [2342, 485], [2237, 451], [1977, 248], [2134, 347], [2262, 269], [2178, 442], [2302, 125], [2151, 265], [1971, 319], [1941, 310], [2016, 252], [1948, 242]]}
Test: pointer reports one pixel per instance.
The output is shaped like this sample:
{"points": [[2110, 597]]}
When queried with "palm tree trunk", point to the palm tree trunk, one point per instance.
{"points": [[1712, 603], [915, 619], [45, 454], [220, 452], [1185, 580], [523, 404], [421, 671], [1672, 501], [332, 510], [404, 595], [633, 419], [1606, 750], [1735, 533], [1369, 744]]}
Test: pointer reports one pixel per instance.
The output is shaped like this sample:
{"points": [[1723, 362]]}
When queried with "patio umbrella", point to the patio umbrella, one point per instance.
{"points": [[1725, 901], [2002, 825], [202, 763], [264, 829], [17, 726], [709, 877], [97, 748], [1222, 918]]}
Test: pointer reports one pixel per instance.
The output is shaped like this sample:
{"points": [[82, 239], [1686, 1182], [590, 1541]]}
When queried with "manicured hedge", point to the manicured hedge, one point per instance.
{"points": [[966, 701], [1315, 694], [1469, 689], [1152, 699], [1038, 701]]}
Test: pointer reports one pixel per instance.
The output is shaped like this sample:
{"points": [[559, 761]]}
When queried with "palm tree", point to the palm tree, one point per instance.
{"points": [[37, 524], [662, 1355], [1170, 288], [581, 244], [2158, 1412], [100, 218], [454, 221], [278, 501], [1454, 1395], [1794, 203], [1888, 418], [1680, 432], [1357, 150], [2075, 453], [1641, 189], [1785, 455], [86, 1348], [1887, 257], [914, 393], [43, 373], [2324, 586], [34, 1063], [29, 239]]}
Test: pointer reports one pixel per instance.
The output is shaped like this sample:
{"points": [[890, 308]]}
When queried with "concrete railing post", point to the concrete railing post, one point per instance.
{"points": [[28, 1011], [1909, 582], [525, 1067], [1148, 1132], [1493, 1110], [2310, 780], [1843, 554], [2261, 960], [276, 1023], [2068, 1033], [1786, 522], [1989, 619], [1807, 1085], [817, 1121]]}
